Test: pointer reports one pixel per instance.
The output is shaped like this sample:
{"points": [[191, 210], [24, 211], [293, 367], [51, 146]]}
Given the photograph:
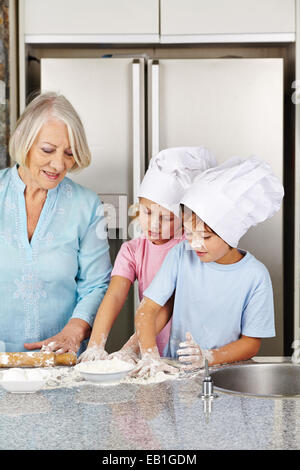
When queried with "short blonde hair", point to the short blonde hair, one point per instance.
{"points": [[35, 115]]}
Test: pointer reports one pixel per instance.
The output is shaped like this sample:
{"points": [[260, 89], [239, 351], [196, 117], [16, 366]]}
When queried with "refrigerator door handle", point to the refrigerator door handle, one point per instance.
{"points": [[138, 169], [155, 107]]}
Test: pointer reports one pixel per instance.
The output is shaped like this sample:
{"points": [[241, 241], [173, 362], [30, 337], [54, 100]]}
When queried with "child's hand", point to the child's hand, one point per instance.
{"points": [[191, 353], [150, 364], [93, 353], [126, 355]]}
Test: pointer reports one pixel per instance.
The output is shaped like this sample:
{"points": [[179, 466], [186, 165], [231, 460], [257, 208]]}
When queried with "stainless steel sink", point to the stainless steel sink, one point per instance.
{"points": [[273, 380]]}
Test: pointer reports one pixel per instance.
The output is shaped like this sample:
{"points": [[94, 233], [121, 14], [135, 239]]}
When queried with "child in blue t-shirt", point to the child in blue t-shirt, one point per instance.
{"points": [[223, 302]]}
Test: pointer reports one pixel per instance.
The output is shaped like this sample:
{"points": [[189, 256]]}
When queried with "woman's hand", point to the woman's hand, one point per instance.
{"points": [[67, 340]]}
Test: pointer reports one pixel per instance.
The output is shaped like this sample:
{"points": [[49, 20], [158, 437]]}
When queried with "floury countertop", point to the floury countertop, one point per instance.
{"points": [[165, 416]]}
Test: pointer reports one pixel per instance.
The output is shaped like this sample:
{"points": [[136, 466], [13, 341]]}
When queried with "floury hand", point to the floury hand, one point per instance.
{"points": [[126, 355], [192, 353], [130, 352], [150, 364], [93, 353]]}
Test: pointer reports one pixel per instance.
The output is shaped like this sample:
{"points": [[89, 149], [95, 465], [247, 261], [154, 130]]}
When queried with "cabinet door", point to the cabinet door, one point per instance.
{"points": [[231, 17], [100, 18], [232, 107]]}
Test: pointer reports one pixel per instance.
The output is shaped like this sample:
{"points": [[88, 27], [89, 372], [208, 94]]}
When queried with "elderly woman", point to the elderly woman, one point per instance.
{"points": [[54, 254]]}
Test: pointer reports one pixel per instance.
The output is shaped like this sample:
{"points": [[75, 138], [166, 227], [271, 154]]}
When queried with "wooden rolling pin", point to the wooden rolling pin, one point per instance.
{"points": [[36, 359]]}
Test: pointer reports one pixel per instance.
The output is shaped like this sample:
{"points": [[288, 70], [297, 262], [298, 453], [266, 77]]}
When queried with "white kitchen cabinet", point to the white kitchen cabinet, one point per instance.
{"points": [[90, 21], [150, 21], [227, 20]]}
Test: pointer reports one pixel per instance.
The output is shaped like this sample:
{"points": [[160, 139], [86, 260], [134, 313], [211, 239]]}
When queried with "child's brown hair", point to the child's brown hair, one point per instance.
{"points": [[185, 209]]}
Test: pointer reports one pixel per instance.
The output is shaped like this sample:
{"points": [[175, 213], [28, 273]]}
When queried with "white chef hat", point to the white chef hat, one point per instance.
{"points": [[171, 172], [234, 196]]}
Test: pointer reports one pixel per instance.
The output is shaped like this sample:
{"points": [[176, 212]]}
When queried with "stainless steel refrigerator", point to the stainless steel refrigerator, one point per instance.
{"points": [[132, 107]]}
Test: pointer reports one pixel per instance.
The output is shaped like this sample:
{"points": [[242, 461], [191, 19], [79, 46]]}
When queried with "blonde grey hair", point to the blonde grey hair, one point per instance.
{"points": [[35, 115]]}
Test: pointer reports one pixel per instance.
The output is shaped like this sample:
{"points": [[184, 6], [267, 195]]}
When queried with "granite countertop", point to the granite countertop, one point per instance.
{"points": [[160, 416]]}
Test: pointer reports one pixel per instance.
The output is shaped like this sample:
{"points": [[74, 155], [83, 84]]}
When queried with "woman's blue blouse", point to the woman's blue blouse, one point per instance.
{"points": [[62, 273]]}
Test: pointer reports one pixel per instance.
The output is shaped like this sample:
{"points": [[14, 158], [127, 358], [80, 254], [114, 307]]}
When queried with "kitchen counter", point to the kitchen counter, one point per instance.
{"points": [[162, 416]]}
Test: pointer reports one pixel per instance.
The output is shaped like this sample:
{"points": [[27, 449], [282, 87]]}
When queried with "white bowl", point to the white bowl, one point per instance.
{"points": [[24, 386], [103, 376], [19, 380]]}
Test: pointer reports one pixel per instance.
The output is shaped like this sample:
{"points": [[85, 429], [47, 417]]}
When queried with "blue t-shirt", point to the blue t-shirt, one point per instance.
{"points": [[216, 303]]}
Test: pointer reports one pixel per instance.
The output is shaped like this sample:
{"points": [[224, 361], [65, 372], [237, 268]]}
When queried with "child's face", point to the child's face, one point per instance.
{"points": [[207, 245], [157, 223]]}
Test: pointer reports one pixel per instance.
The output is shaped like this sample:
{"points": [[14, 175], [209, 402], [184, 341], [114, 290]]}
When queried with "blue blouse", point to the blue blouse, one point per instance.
{"points": [[62, 273]]}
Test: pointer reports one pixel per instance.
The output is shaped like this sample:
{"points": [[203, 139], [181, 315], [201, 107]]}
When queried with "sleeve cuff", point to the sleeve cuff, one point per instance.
{"points": [[83, 316], [259, 334], [154, 299]]}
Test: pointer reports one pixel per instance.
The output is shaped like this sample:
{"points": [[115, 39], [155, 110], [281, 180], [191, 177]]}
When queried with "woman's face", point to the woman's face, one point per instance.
{"points": [[207, 245], [157, 223], [50, 156]]}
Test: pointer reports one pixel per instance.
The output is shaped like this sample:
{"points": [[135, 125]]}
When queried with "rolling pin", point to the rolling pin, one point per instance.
{"points": [[36, 359]]}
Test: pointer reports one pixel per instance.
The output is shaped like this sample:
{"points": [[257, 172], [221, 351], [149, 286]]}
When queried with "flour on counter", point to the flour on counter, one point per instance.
{"points": [[68, 377], [54, 377], [117, 365], [59, 377], [157, 378]]}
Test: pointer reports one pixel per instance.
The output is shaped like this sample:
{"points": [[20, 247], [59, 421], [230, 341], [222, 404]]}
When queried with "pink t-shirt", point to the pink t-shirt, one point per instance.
{"points": [[141, 259]]}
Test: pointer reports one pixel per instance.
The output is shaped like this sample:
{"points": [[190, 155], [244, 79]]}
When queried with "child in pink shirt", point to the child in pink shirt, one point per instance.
{"points": [[168, 176], [142, 257]]}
